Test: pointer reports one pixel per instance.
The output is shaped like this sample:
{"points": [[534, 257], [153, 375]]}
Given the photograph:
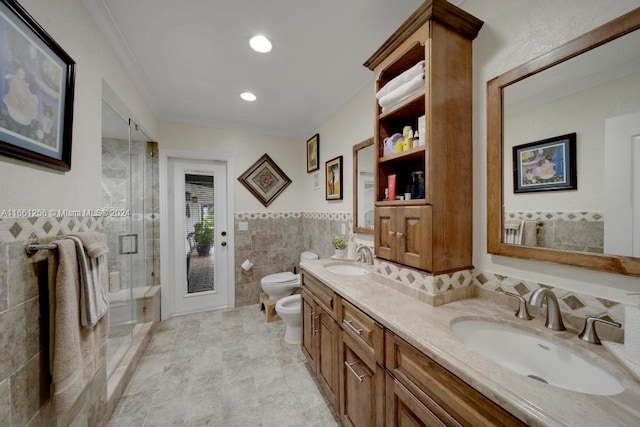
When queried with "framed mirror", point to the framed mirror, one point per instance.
{"points": [[587, 90], [363, 187]]}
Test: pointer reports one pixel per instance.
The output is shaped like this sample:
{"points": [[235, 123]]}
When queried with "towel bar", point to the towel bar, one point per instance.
{"points": [[31, 248]]}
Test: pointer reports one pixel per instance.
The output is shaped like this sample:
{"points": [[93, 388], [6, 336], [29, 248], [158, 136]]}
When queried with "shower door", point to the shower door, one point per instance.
{"points": [[199, 242]]}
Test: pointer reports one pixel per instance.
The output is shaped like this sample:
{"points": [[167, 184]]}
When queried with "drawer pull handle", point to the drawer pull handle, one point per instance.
{"points": [[349, 366], [315, 330], [349, 323]]}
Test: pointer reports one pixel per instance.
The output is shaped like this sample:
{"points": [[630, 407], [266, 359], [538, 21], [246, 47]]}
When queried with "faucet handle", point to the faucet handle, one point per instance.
{"points": [[589, 333], [523, 312]]}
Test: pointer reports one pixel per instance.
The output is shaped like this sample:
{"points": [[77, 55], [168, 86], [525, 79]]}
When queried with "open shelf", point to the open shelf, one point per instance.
{"points": [[413, 154], [408, 109], [412, 202]]}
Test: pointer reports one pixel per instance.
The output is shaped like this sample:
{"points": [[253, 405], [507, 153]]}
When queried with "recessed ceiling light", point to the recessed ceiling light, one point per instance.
{"points": [[260, 44], [248, 96]]}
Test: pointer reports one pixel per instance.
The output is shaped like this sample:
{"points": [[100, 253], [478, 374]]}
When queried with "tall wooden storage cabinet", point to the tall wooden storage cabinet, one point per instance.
{"points": [[433, 232]]}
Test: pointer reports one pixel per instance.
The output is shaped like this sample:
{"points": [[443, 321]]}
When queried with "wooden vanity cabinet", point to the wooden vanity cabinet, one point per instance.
{"points": [[320, 333], [420, 392], [403, 235], [440, 34], [361, 363]]}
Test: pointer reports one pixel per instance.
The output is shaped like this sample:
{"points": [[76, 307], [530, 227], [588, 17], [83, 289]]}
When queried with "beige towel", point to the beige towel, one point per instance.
{"points": [[76, 353], [529, 233], [94, 243], [94, 277]]}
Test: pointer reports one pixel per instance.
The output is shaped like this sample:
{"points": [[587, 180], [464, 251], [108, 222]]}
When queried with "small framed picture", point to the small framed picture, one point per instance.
{"points": [[546, 165], [333, 187], [313, 153], [36, 107]]}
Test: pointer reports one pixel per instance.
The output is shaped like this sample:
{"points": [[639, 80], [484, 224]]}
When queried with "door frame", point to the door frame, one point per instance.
{"points": [[166, 298]]}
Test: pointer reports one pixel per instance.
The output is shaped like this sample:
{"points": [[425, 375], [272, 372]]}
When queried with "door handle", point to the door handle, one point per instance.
{"points": [[353, 371], [224, 243]]}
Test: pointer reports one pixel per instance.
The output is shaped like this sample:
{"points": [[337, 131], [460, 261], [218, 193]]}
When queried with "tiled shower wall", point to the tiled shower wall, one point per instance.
{"points": [[572, 231], [24, 330], [273, 242], [116, 163]]}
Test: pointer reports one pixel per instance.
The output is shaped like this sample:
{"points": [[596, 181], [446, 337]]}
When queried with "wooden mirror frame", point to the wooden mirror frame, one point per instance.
{"points": [[356, 148], [621, 26]]}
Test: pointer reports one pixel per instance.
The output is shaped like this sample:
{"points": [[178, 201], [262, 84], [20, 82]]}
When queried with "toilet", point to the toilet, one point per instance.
{"points": [[289, 309], [279, 285]]}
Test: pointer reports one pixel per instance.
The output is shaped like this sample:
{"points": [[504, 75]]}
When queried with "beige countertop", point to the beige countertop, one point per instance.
{"points": [[428, 329]]}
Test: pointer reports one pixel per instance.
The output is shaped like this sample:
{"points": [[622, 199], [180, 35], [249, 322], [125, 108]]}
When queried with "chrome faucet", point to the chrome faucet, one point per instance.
{"points": [[589, 333], [364, 254], [554, 318]]}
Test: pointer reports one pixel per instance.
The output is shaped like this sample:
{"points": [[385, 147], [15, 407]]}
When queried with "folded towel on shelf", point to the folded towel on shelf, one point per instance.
{"points": [[406, 76], [94, 276], [76, 353], [389, 107], [512, 231], [403, 92]]}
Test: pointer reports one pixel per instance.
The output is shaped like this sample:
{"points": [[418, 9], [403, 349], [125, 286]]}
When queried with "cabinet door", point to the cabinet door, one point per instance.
{"points": [[385, 237], [414, 236], [308, 328], [358, 407], [327, 356], [361, 386], [405, 410]]}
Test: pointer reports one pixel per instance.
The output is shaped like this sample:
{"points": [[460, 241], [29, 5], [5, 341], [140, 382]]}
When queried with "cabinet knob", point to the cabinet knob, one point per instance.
{"points": [[391, 233], [399, 235]]}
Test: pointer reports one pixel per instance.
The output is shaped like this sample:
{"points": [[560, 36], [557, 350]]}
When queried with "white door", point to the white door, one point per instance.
{"points": [[622, 185], [198, 241]]}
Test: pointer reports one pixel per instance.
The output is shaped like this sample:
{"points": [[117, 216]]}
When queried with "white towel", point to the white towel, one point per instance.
{"points": [[94, 279], [406, 88], [401, 79], [400, 100]]}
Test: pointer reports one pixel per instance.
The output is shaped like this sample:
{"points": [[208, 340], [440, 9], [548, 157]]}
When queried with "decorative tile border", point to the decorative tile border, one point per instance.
{"points": [[20, 229], [333, 216], [266, 215], [577, 304], [556, 216], [422, 281]]}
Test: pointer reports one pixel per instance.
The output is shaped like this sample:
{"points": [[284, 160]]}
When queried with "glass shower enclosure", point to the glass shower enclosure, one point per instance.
{"points": [[129, 163]]}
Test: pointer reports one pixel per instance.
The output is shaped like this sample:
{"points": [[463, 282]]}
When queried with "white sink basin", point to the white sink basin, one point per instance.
{"points": [[346, 269], [536, 357]]}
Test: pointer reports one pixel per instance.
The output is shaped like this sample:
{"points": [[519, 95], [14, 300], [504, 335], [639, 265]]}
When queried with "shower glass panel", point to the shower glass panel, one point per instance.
{"points": [[127, 158], [199, 231]]}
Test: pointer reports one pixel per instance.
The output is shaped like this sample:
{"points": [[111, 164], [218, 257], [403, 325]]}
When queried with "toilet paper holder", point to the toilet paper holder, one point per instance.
{"points": [[247, 265]]}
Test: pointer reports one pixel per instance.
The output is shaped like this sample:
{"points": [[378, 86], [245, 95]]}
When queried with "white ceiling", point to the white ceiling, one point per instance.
{"points": [[191, 59]]}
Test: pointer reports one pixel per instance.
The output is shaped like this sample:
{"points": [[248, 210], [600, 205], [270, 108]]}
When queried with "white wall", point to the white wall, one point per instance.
{"points": [[23, 185], [348, 126], [245, 148], [514, 32], [585, 113]]}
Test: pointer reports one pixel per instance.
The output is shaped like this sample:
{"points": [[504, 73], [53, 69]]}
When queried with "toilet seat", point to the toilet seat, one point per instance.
{"points": [[289, 305], [281, 278]]}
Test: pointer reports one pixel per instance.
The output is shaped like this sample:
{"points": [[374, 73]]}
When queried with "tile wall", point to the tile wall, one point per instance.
{"points": [[24, 330], [273, 242], [573, 231]]}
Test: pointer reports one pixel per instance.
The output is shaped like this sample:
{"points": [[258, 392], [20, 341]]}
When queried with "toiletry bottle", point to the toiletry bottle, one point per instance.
{"points": [[407, 134]]}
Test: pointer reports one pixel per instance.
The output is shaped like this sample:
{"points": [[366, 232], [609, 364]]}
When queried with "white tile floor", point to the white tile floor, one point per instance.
{"points": [[222, 368]]}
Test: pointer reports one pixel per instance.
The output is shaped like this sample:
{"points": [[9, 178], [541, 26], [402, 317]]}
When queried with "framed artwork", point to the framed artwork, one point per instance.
{"points": [[333, 185], [313, 153], [36, 93], [265, 180], [546, 165]]}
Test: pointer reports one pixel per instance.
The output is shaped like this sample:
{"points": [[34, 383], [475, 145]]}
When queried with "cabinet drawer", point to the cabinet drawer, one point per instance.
{"points": [[363, 329], [443, 393], [321, 292]]}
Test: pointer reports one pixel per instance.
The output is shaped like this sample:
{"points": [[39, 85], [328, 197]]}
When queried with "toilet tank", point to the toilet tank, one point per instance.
{"points": [[308, 256]]}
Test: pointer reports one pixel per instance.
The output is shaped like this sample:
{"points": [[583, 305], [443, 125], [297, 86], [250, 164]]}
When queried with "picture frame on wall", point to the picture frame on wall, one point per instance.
{"points": [[313, 153], [265, 180], [333, 175], [545, 165], [36, 95]]}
